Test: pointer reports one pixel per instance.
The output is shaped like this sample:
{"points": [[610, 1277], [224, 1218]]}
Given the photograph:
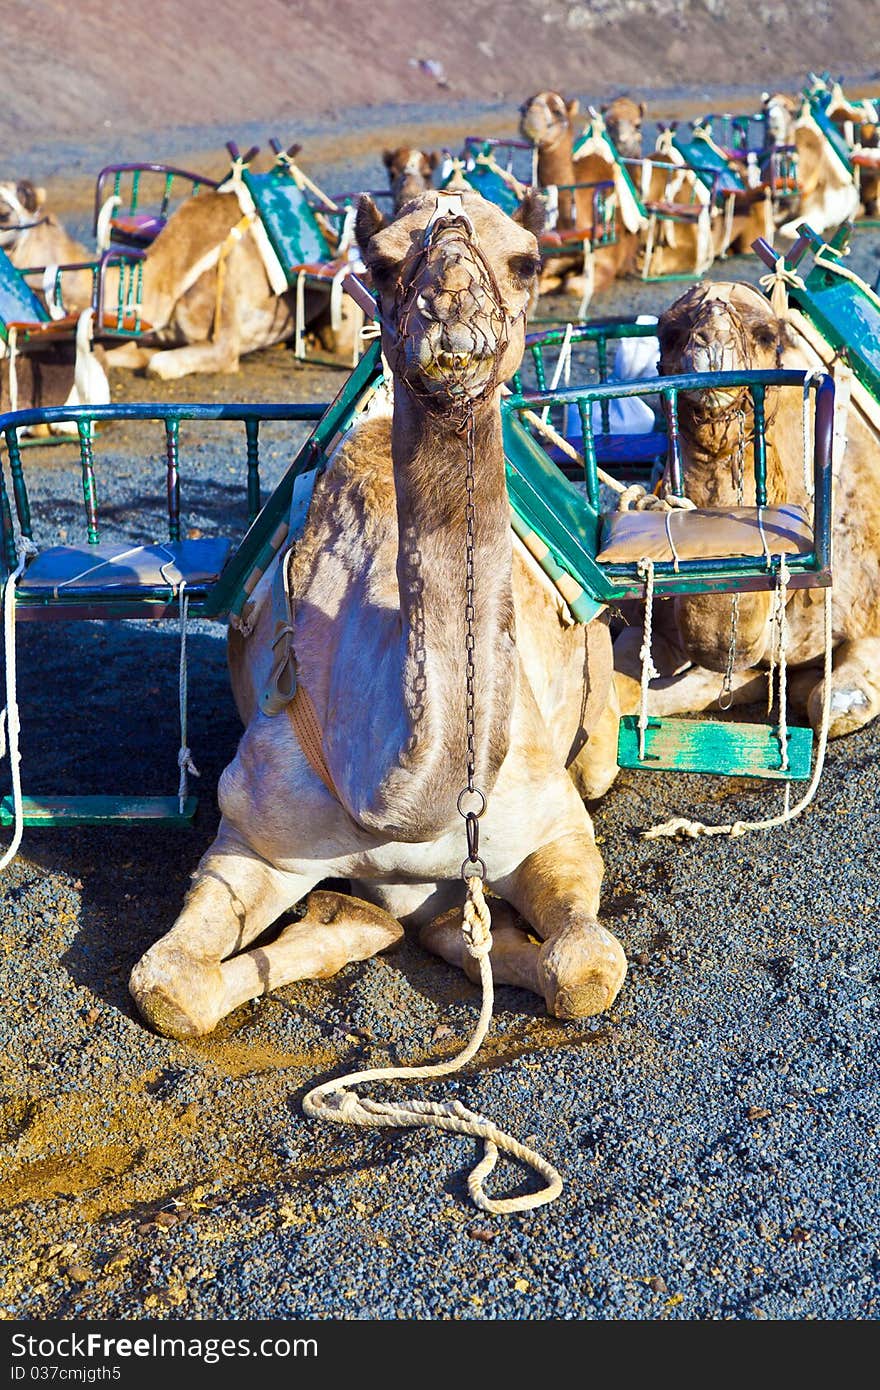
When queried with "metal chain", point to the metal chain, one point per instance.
{"points": [[472, 866], [725, 699]]}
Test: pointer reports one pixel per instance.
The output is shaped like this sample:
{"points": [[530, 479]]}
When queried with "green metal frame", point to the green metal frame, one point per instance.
{"points": [[544, 504], [843, 308]]}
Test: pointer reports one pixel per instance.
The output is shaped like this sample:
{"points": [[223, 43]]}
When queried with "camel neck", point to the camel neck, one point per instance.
{"points": [[430, 470], [555, 163]]}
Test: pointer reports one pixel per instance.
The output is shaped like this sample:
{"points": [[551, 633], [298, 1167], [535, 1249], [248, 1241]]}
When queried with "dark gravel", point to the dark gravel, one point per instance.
{"points": [[717, 1131]]}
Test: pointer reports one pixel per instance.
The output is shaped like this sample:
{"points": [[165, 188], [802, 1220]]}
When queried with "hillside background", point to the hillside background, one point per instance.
{"points": [[70, 71]]}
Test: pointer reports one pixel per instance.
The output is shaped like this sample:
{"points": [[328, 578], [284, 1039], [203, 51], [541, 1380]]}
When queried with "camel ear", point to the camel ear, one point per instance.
{"points": [[30, 197], [573, 107], [368, 222], [531, 212], [388, 158], [604, 107], [643, 107], [434, 159]]}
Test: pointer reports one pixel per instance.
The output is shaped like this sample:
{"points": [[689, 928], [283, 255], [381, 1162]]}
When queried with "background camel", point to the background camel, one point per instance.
{"points": [[207, 299], [410, 172], [623, 121], [378, 640], [547, 120], [828, 195], [731, 327]]}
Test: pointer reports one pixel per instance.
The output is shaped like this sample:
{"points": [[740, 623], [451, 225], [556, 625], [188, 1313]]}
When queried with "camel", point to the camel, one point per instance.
{"points": [[623, 121], [828, 194], [780, 117], [380, 648], [731, 327], [546, 119], [193, 328], [410, 172]]}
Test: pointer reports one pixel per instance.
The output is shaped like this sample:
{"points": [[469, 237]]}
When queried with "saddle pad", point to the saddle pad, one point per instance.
{"points": [[126, 569], [628, 537], [138, 226]]}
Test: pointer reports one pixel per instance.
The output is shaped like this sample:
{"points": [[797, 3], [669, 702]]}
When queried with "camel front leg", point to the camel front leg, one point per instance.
{"points": [[514, 958], [581, 966], [855, 688], [335, 931], [178, 985], [220, 354], [680, 688]]}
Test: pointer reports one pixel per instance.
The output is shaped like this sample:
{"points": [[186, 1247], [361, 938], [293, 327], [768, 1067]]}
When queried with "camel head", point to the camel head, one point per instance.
{"points": [[781, 113], [409, 172], [454, 276], [546, 119], [623, 121], [19, 206], [722, 327]]}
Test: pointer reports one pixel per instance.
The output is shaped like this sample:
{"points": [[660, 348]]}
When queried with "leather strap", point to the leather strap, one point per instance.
{"points": [[301, 713]]}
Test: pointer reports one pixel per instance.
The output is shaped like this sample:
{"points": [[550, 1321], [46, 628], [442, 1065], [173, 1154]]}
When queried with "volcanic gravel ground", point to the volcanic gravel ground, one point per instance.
{"points": [[717, 1130]]}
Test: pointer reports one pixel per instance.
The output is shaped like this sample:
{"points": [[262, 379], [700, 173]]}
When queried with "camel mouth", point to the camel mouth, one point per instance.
{"points": [[458, 375]]}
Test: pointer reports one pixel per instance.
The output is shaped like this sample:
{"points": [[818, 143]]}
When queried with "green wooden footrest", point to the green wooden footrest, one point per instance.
{"points": [[725, 749], [100, 810]]}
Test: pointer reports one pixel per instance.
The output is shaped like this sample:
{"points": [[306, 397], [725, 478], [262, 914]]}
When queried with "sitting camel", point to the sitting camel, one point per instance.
{"points": [[379, 630], [410, 172], [730, 223], [732, 327], [207, 298], [827, 193], [547, 120]]}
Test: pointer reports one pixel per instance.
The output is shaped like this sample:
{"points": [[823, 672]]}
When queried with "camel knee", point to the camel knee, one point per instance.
{"points": [[855, 689], [556, 889], [178, 993]]}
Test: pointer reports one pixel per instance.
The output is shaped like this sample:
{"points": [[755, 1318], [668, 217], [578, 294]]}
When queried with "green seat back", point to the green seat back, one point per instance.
{"points": [[18, 303], [818, 104], [492, 186], [708, 164], [289, 220]]}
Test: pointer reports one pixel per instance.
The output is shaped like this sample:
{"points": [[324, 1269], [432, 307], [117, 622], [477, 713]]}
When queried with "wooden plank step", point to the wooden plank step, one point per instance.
{"points": [[724, 749], [100, 810]]}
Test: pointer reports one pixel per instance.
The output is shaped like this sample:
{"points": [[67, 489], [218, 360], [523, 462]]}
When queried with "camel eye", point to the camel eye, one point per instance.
{"points": [[765, 336], [524, 267]]}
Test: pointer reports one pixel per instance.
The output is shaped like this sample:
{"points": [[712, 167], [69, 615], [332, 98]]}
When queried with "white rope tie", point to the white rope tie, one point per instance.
{"points": [[680, 825], [563, 364], [809, 486], [776, 286], [10, 723], [184, 756], [649, 670], [12, 349], [336, 1103]]}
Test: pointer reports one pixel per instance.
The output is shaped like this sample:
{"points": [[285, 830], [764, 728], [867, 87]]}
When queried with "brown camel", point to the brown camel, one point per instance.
{"points": [[623, 121], [731, 327], [378, 638], [547, 121], [410, 172], [207, 298]]}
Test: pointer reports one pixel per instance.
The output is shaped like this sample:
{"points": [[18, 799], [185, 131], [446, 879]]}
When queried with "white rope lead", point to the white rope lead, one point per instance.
{"points": [[649, 670], [10, 724], [335, 1102], [184, 756], [680, 825]]}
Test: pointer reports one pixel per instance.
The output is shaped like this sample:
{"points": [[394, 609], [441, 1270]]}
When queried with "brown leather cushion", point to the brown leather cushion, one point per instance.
{"points": [[704, 535], [682, 212]]}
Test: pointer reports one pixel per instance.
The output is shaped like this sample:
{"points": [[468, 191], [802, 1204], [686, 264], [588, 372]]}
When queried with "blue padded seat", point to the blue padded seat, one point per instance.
{"points": [[125, 569]]}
